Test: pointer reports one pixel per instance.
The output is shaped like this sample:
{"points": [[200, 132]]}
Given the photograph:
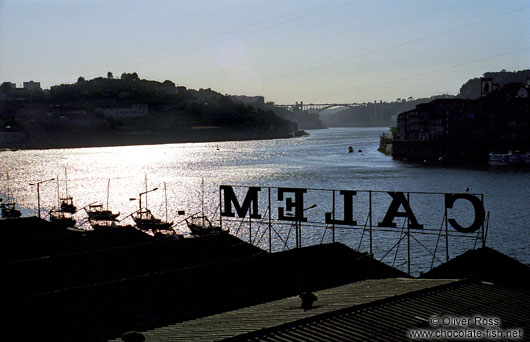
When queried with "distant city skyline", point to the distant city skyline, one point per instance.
{"points": [[318, 51]]}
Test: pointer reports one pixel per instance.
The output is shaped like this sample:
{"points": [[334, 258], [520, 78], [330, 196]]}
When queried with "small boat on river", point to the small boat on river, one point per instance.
{"points": [[200, 225], [96, 212], [144, 218], [8, 207], [67, 202], [67, 205], [104, 225], [509, 159], [100, 218], [62, 218]]}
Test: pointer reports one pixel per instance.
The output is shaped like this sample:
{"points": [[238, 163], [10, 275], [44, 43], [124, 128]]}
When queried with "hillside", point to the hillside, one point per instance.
{"points": [[129, 110], [471, 89]]}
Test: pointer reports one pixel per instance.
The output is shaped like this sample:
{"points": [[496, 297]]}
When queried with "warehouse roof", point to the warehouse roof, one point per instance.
{"points": [[393, 318], [279, 312]]}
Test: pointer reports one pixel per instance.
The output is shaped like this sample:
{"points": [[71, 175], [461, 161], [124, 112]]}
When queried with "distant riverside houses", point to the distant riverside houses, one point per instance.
{"points": [[134, 111], [463, 129], [435, 121], [454, 119]]}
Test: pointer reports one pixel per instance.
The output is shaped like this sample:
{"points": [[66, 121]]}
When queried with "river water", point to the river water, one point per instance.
{"points": [[317, 161]]}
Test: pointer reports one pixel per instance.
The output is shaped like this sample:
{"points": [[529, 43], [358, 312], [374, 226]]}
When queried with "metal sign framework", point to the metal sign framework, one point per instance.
{"points": [[272, 217]]}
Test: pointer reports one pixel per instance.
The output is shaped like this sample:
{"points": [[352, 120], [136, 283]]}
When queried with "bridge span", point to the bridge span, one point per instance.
{"points": [[315, 107]]}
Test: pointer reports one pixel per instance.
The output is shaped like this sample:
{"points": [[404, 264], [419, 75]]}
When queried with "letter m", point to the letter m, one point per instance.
{"points": [[230, 199]]}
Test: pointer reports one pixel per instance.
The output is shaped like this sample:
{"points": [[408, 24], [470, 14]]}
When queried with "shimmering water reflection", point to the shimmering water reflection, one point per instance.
{"points": [[317, 161]]}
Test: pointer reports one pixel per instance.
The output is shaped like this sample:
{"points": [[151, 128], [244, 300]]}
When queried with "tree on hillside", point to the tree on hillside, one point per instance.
{"points": [[129, 77], [109, 75]]}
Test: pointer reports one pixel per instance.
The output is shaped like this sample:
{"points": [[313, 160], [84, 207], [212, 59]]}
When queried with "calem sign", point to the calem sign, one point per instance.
{"points": [[291, 207]]}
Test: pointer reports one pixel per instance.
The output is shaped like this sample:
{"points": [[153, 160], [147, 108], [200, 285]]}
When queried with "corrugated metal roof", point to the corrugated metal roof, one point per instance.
{"points": [[390, 319], [275, 313]]}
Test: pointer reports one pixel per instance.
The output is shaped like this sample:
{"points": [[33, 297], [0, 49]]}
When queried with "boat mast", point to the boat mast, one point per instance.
{"points": [[165, 195], [58, 194], [66, 182], [108, 187], [7, 201], [202, 201], [145, 194]]}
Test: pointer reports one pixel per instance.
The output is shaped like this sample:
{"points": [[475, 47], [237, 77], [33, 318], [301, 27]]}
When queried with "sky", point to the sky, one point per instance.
{"points": [[315, 51]]}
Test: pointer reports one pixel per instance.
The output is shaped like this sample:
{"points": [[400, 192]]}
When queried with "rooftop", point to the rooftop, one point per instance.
{"points": [[391, 319], [288, 310]]}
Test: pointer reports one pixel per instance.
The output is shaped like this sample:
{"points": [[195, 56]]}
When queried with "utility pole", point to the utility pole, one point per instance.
{"points": [[38, 192]]}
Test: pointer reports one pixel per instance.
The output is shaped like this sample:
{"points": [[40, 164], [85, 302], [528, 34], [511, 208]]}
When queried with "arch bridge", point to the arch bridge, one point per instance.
{"points": [[315, 107]]}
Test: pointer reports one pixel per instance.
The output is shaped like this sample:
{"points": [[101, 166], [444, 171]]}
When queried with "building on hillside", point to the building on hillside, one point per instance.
{"points": [[465, 130], [440, 129], [6, 88], [9, 85], [121, 112], [248, 100], [32, 86]]}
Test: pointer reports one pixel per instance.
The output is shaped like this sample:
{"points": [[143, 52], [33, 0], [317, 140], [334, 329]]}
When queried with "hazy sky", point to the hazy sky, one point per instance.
{"points": [[315, 51]]}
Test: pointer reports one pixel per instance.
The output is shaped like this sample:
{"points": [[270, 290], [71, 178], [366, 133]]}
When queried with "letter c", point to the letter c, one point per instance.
{"points": [[477, 206]]}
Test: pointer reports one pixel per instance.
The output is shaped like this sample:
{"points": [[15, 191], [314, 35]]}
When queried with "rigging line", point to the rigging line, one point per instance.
{"points": [[426, 73], [321, 66], [206, 41]]}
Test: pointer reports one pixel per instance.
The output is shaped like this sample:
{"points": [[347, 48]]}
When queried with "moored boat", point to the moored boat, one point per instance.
{"points": [[200, 225], [145, 220], [9, 210], [8, 207], [66, 203], [97, 213], [103, 225], [62, 218], [514, 158], [498, 159]]}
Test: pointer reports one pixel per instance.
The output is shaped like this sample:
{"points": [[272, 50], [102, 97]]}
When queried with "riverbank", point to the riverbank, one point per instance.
{"points": [[119, 138]]}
